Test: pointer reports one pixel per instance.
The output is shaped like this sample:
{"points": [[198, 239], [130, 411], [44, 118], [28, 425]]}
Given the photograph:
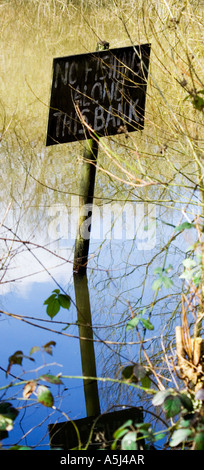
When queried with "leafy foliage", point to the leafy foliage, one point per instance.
{"points": [[139, 318], [133, 436], [192, 270], [163, 280], [7, 415], [196, 100], [135, 373], [55, 301], [189, 430], [47, 348], [17, 359], [44, 396]]}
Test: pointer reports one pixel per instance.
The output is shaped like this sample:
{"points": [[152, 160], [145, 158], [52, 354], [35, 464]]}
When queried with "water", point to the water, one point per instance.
{"points": [[117, 284]]}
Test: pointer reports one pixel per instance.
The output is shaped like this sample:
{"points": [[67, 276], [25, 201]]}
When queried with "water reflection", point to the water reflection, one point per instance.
{"points": [[95, 431], [86, 344], [120, 275]]}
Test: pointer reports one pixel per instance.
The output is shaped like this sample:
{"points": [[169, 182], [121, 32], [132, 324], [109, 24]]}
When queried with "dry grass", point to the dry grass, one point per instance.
{"points": [[33, 32]]}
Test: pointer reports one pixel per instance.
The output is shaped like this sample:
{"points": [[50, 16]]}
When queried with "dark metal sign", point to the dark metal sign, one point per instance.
{"points": [[64, 436], [101, 92]]}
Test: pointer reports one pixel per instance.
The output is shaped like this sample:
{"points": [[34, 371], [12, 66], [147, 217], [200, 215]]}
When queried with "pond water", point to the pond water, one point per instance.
{"points": [[117, 283], [131, 228]]}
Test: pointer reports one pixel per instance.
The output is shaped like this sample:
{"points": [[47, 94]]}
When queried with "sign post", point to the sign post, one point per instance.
{"points": [[95, 95], [86, 191]]}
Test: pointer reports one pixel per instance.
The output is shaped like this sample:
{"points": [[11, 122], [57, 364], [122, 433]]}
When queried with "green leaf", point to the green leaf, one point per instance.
{"points": [[132, 323], [119, 433], [50, 299], [179, 436], [147, 324], [157, 283], [64, 300], [198, 103], [55, 301], [146, 382], [186, 402], [197, 279], [159, 398], [34, 349], [159, 436], [53, 308], [44, 396], [167, 282], [172, 406], [129, 441], [53, 379], [124, 426], [199, 441], [17, 447], [128, 374], [143, 426], [7, 415], [158, 270], [183, 226]]}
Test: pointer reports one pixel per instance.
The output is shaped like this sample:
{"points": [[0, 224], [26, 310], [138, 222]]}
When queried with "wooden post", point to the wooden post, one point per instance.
{"points": [[86, 345], [86, 191]]}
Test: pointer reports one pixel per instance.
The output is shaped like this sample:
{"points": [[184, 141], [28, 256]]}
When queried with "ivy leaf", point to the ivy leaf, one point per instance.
{"points": [[172, 406], [129, 441], [44, 396], [186, 402], [179, 436], [160, 396]]}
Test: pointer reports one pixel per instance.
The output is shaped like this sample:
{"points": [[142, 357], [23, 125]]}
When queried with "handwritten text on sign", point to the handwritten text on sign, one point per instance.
{"points": [[102, 91]]}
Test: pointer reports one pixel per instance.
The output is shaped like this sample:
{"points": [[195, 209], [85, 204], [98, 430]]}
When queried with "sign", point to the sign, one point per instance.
{"points": [[64, 435], [101, 92]]}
